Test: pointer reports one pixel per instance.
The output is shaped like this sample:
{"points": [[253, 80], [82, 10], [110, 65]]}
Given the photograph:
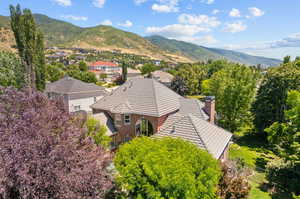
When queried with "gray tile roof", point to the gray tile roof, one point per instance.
{"points": [[192, 106], [76, 89], [141, 96], [162, 76], [198, 131]]}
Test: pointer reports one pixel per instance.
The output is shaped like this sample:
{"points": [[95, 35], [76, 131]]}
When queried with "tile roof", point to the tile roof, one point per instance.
{"points": [[141, 96], [103, 63], [198, 131], [75, 88], [162, 76]]}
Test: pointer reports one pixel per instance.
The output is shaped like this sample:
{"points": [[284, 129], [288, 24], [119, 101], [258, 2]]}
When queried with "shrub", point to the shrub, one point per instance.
{"points": [[166, 168]]}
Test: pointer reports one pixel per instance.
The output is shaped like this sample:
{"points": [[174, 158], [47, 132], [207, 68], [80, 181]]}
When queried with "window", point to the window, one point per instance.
{"points": [[95, 99], [127, 119], [77, 108], [118, 120]]}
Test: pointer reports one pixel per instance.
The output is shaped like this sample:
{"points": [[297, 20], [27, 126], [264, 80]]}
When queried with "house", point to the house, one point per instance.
{"points": [[163, 77], [132, 73], [112, 70], [147, 107], [77, 95]]}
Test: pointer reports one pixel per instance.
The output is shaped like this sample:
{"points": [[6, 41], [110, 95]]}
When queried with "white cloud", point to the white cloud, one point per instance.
{"points": [[139, 1], [99, 3], [256, 12], [215, 11], [164, 8], [75, 18], [235, 13], [126, 24], [208, 1], [64, 2], [176, 30], [203, 20], [205, 40], [235, 27], [106, 22]]}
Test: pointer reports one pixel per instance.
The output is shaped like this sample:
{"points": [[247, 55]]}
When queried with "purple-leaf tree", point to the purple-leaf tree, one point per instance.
{"points": [[44, 153]]}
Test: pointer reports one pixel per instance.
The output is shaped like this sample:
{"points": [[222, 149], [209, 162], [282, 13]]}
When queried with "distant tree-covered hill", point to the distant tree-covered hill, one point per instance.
{"points": [[63, 34], [200, 53]]}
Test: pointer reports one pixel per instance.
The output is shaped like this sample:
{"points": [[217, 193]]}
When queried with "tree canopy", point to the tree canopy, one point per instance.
{"points": [[30, 44], [234, 88], [271, 100], [166, 168], [44, 151]]}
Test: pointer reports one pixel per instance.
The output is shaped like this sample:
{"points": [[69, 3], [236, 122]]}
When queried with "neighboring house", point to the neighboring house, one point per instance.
{"points": [[147, 107], [163, 77], [132, 73], [112, 70], [77, 95]]}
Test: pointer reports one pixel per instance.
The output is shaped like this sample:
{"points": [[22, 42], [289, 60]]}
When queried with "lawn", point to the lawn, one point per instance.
{"points": [[253, 152]]}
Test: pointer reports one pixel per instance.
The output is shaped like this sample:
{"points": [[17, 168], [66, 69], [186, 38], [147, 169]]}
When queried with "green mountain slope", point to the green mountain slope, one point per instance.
{"points": [[64, 34], [200, 53]]}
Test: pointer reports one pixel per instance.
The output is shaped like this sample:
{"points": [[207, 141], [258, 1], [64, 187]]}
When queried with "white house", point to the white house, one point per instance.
{"points": [[77, 95]]}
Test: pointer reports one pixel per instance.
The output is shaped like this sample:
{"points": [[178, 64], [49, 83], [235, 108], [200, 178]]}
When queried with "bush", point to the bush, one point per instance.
{"points": [[233, 183], [166, 168], [285, 177], [44, 152]]}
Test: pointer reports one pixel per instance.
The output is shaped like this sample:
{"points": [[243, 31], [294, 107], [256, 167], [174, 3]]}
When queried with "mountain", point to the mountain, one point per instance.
{"points": [[63, 34], [200, 53]]}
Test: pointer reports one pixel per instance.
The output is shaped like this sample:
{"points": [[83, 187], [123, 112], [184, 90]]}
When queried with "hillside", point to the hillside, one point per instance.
{"points": [[64, 34], [200, 53]]}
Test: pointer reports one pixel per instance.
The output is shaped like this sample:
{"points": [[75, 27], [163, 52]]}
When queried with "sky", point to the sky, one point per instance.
{"points": [[268, 28]]}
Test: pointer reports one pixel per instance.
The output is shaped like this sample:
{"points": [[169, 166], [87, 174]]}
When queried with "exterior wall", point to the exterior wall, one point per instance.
{"points": [[127, 131], [84, 103]]}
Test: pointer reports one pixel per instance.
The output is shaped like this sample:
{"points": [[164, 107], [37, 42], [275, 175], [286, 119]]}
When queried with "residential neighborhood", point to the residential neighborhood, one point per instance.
{"points": [[149, 99]]}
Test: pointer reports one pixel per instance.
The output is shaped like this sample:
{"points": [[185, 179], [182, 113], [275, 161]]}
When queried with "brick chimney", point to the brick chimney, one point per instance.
{"points": [[210, 108]]}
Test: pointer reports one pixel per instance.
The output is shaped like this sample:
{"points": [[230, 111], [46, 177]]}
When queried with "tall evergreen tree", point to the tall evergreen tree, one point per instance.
{"points": [[124, 72], [30, 45]]}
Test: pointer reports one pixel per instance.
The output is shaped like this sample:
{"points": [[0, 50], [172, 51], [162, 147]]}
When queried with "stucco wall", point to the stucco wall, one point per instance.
{"points": [[84, 103]]}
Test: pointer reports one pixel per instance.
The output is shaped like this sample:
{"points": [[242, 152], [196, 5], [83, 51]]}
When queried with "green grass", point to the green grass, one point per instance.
{"points": [[254, 153]]}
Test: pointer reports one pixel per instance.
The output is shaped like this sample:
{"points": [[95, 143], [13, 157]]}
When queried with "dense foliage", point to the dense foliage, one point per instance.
{"points": [[30, 44], [285, 140], [147, 69], [11, 70], [234, 88], [44, 152], [97, 132], [270, 103], [166, 168]]}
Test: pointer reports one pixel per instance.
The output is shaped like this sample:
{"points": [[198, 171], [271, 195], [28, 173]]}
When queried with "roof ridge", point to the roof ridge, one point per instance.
{"points": [[172, 124], [190, 116], [155, 96]]}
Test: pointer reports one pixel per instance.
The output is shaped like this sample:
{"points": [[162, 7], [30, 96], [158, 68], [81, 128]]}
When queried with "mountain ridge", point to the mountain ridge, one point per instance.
{"points": [[64, 34]]}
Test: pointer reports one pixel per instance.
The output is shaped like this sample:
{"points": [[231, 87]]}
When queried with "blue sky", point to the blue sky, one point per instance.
{"points": [[259, 27]]}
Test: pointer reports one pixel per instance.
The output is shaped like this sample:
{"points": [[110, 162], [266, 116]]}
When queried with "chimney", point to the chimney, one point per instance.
{"points": [[210, 108]]}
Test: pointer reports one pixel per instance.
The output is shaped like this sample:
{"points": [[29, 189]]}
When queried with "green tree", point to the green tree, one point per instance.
{"points": [[285, 136], [124, 72], [103, 76], [286, 59], [178, 85], [97, 132], [166, 168], [234, 88], [54, 73], [30, 46], [11, 70], [83, 66], [270, 103], [147, 69]]}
